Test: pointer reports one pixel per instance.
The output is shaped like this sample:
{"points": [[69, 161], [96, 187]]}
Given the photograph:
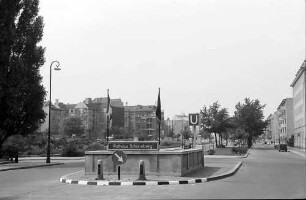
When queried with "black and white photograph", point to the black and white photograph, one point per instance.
{"points": [[152, 99]]}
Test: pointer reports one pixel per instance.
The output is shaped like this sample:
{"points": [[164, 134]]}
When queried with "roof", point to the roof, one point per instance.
{"points": [[81, 105], [94, 106], [283, 102], [114, 102], [270, 117], [140, 108], [299, 73]]}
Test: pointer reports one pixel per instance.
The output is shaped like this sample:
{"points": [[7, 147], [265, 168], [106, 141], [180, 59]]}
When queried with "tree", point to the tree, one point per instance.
{"points": [[72, 126], [250, 119], [119, 133], [214, 119], [186, 132], [21, 93]]}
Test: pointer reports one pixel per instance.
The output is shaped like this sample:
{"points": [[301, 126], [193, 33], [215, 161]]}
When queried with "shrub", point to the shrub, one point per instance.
{"points": [[10, 151], [237, 150], [95, 147], [71, 151], [211, 152], [169, 144]]}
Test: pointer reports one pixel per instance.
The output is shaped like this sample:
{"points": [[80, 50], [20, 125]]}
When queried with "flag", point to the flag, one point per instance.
{"points": [[109, 109], [158, 109]]}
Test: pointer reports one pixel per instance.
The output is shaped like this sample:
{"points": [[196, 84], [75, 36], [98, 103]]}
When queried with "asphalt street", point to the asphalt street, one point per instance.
{"points": [[265, 173]]}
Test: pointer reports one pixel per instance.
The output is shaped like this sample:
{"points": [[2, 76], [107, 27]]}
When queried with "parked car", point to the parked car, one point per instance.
{"points": [[282, 147]]}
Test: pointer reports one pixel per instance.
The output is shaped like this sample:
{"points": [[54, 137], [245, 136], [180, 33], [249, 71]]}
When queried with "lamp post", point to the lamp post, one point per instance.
{"points": [[49, 132]]}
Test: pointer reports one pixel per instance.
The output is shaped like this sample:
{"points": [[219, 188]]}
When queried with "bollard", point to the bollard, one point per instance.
{"points": [[100, 170], [142, 174], [16, 158]]}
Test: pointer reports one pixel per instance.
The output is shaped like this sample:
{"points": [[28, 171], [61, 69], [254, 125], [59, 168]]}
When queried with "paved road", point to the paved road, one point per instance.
{"points": [[266, 173]]}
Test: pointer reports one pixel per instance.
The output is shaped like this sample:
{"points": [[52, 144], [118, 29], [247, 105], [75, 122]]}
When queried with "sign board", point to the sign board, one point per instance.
{"points": [[133, 145], [119, 157], [194, 119]]}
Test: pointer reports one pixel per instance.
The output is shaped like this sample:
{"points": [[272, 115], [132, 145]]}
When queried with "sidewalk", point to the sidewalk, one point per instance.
{"points": [[32, 162], [298, 151], [214, 168]]}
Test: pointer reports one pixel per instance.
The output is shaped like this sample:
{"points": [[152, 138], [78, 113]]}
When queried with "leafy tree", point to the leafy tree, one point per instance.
{"points": [[186, 132], [250, 119], [21, 93], [214, 119], [72, 126], [119, 133]]}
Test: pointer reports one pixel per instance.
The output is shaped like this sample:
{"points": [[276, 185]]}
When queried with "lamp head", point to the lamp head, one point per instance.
{"points": [[57, 68]]}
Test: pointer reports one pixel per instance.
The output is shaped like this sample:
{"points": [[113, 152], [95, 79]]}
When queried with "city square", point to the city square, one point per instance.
{"points": [[163, 99]]}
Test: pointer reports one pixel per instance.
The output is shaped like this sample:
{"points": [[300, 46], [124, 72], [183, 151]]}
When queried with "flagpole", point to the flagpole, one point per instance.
{"points": [[159, 120], [159, 133], [107, 118], [158, 114]]}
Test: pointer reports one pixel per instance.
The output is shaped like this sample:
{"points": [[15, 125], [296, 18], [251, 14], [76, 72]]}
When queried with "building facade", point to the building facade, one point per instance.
{"points": [[58, 114], [92, 113], [142, 119], [269, 135], [284, 116], [299, 107], [179, 122]]}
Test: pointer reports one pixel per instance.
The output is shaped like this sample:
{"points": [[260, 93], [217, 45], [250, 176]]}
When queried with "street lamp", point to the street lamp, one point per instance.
{"points": [[49, 132]]}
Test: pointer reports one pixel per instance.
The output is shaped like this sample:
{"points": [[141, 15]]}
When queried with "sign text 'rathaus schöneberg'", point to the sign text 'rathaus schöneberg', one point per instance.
{"points": [[133, 145]]}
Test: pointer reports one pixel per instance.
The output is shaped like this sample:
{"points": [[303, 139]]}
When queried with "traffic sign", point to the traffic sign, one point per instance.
{"points": [[194, 119], [119, 157]]}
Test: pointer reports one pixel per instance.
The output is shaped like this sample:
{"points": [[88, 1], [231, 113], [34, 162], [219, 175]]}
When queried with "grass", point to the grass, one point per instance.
{"points": [[227, 151]]}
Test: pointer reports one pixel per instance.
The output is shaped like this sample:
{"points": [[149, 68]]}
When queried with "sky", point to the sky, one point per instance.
{"points": [[196, 51]]}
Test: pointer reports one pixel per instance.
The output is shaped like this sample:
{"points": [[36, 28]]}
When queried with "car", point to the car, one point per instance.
{"points": [[282, 147]]}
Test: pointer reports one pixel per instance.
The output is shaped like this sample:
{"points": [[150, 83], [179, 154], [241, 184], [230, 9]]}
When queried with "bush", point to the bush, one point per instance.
{"points": [[10, 151], [95, 147], [71, 151], [169, 144], [211, 152], [237, 150]]}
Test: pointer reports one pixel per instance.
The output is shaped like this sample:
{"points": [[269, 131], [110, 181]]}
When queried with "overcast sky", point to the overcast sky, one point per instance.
{"points": [[196, 51]]}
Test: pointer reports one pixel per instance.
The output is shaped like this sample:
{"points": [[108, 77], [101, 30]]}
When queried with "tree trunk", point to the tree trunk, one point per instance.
{"points": [[216, 139], [249, 141]]}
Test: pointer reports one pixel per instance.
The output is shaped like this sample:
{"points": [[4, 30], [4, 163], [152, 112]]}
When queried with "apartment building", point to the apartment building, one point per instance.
{"points": [[141, 119], [179, 122], [269, 135], [299, 106], [284, 116], [92, 113]]}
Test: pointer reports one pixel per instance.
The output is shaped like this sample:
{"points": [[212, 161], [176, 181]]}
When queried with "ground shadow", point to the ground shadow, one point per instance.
{"points": [[203, 172]]}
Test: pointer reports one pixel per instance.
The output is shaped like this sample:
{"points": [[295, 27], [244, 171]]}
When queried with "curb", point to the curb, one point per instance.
{"points": [[222, 156], [34, 166], [230, 173], [135, 183], [298, 153], [63, 179]]}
